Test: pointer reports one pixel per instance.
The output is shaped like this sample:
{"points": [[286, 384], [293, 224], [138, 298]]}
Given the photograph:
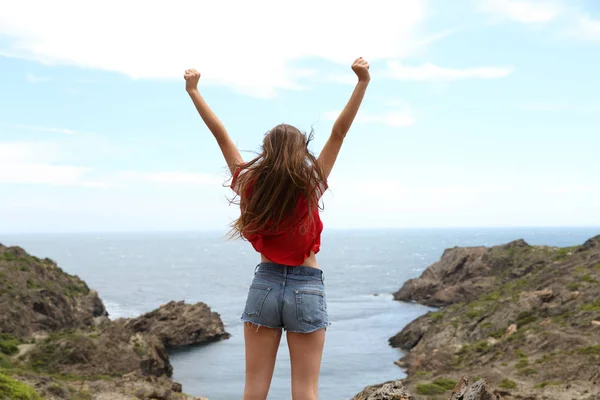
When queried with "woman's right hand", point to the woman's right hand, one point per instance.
{"points": [[361, 69]]}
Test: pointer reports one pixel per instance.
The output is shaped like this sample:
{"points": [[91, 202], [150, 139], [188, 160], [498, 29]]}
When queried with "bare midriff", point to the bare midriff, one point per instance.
{"points": [[311, 261]]}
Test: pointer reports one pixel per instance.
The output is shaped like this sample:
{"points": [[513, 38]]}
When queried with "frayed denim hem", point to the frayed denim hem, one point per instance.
{"points": [[258, 326]]}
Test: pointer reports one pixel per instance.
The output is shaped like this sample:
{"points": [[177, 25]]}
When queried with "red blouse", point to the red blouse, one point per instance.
{"points": [[292, 246]]}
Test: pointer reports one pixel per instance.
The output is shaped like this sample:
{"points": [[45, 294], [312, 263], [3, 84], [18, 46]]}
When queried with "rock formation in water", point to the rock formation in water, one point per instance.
{"points": [[525, 318], [56, 339], [178, 324]]}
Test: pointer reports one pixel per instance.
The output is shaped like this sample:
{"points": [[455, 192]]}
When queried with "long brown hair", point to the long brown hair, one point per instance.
{"points": [[284, 171]]}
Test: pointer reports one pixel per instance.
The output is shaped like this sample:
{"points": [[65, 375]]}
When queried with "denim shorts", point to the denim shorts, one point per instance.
{"points": [[291, 298]]}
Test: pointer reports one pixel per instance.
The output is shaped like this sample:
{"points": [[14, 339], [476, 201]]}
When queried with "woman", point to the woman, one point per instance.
{"points": [[279, 193]]}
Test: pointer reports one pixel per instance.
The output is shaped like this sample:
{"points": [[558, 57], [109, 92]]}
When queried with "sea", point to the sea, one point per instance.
{"points": [[137, 272]]}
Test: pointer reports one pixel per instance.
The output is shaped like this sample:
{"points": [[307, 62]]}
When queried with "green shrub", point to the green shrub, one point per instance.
{"points": [[542, 385], [481, 347], [492, 296], [590, 350], [436, 316], [507, 384], [523, 363], [563, 253], [573, 286], [428, 389], [11, 389], [526, 317], [528, 372], [595, 306], [545, 358], [6, 256], [5, 362], [588, 279], [447, 384], [8, 344]]}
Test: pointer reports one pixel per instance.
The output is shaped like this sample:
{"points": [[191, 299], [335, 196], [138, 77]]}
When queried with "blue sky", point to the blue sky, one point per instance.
{"points": [[480, 113]]}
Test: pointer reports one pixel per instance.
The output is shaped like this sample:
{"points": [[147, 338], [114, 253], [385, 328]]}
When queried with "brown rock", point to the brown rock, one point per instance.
{"points": [[37, 296], [118, 388], [71, 334], [512, 328], [178, 324], [411, 335], [387, 391], [479, 390], [442, 283], [508, 313], [112, 350]]}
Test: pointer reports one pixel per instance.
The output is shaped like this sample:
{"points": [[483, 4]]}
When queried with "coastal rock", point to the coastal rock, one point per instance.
{"points": [[387, 391], [109, 351], [463, 274], [592, 243], [127, 387], [479, 390], [37, 296], [519, 316], [56, 338], [178, 324], [411, 335], [459, 274]]}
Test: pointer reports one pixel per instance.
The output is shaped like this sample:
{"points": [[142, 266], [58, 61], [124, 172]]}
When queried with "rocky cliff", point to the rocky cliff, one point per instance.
{"points": [[37, 296], [56, 339], [525, 318]]}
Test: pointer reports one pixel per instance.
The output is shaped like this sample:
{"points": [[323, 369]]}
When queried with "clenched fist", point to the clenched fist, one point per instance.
{"points": [[191, 77], [360, 67]]}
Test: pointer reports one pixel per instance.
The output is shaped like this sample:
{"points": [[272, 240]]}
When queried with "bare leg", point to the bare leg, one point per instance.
{"points": [[261, 351], [306, 350]]}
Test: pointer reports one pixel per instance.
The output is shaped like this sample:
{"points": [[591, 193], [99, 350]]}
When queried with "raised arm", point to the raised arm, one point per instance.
{"points": [[228, 148], [344, 121]]}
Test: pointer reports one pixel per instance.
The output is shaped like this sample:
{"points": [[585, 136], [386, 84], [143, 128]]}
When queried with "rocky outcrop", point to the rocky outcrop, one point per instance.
{"points": [[462, 390], [464, 273], [127, 387], [55, 336], [178, 324], [36, 296], [109, 351], [523, 317], [387, 391]]}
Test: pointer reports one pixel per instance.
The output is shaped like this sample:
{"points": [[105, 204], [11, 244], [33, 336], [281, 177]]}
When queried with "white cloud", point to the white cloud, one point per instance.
{"points": [[37, 163], [404, 203], [26, 162], [559, 106], [46, 129], [32, 78], [548, 106], [432, 72], [176, 178], [400, 115], [39, 173], [251, 46], [528, 12], [585, 28]]}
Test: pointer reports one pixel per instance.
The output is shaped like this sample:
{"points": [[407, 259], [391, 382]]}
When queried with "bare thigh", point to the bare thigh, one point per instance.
{"points": [[261, 351], [306, 351]]}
